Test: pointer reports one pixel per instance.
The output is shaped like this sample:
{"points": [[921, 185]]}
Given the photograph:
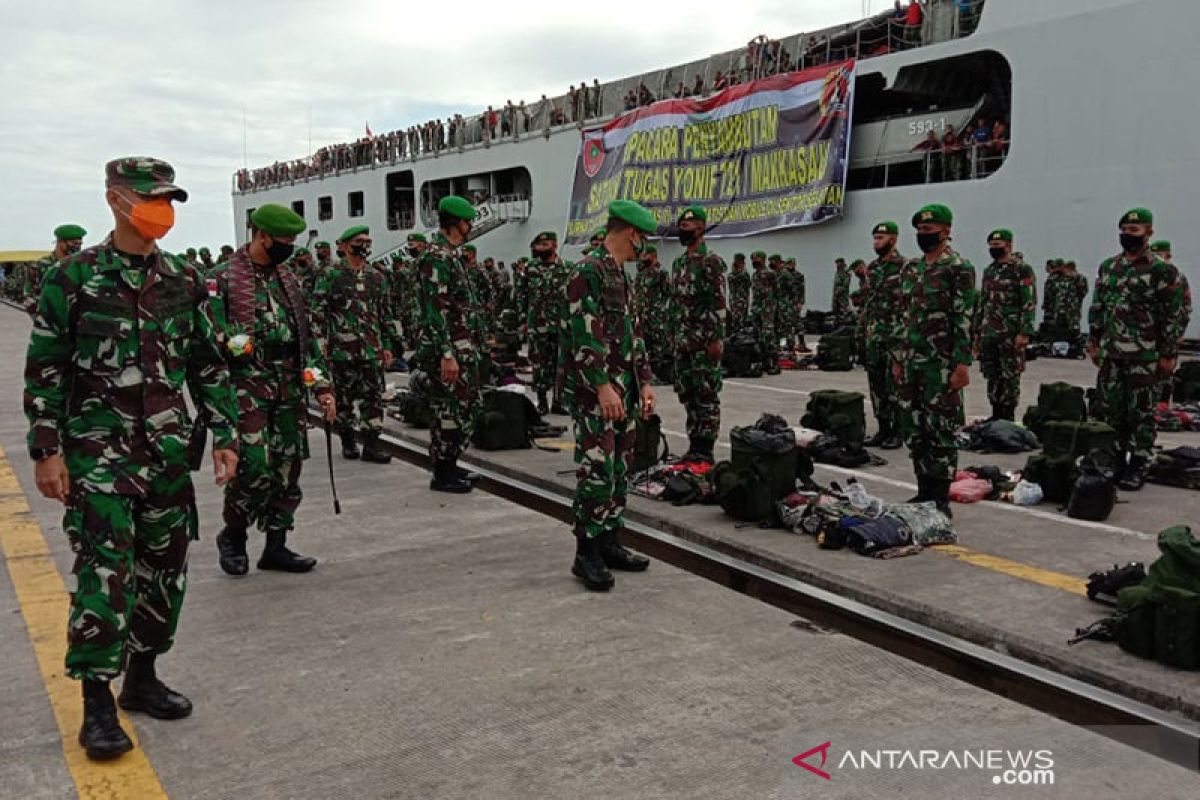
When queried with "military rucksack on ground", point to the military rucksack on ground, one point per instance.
{"points": [[770, 445], [413, 403], [1185, 385], [1160, 617], [840, 414], [1056, 401], [505, 421], [814, 322], [1179, 466], [837, 350], [650, 445], [1056, 476], [742, 358], [1071, 440], [1094, 493], [744, 493]]}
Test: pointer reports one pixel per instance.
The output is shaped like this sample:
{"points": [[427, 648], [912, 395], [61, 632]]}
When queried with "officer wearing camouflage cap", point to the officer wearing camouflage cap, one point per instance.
{"points": [[120, 330], [1005, 318], [68, 240], [1140, 309]]}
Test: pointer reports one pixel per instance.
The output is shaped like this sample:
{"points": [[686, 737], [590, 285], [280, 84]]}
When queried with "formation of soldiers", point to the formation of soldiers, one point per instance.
{"points": [[124, 333]]}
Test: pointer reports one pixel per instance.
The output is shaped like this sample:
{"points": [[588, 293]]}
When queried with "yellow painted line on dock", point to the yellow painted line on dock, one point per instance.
{"points": [[44, 604], [1015, 569]]}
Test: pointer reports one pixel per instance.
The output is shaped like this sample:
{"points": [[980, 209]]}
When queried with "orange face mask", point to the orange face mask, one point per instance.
{"points": [[153, 219]]}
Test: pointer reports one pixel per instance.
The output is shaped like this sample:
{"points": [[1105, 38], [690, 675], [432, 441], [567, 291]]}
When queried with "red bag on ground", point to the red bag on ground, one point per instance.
{"points": [[970, 491]]}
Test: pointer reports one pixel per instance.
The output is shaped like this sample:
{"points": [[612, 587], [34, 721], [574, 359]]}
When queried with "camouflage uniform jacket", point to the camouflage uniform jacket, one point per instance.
{"points": [[1064, 296], [652, 296], [1139, 309], [115, 339], [1007, 304], [274, 369], [882, 324], [603, 340], [452, 322], [481, 284], [765, 300], [352, 314], [841, 293], [697, 300], [544, 286], [937, 303], [739, 293], [32, 278]]}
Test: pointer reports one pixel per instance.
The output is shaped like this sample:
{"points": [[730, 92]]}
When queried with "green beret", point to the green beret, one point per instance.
{"points": [[599, 233], [775, 257], [226, 248], [758, 254], [633, 213], [858, 262], [353, 231], [694, 212], [545, 236], [65, 233], [191, 251], [276, 220], [1058, 262], [455, 206], [739, 256], [1003, 234], [416, 237], [300, 251], [469, 247], [935, 213], [886, 227], [204, 251], [651, 249], [323, 244], [1137, 216], [1160, 245]]}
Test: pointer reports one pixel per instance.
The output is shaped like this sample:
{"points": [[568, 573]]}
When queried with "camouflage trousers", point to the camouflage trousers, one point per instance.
{"points": [[358, 383], [658, 351], [931, 414], [698, 386], [882, 386], [763, 321], [543, 354], [1002, 364], [272, 446], [130, 572], [1128, 392], [453, 410], [602, 451]]}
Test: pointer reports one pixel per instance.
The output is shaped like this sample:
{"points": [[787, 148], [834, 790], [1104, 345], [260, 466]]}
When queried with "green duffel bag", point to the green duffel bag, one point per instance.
{"points": [[504, 421], [837, 350], [1136, 621], [1056, 476], [773, 456], [1062, 439], [841, 414], [1185, 384], [1176, 627], [1056, 401], [744, 493]]}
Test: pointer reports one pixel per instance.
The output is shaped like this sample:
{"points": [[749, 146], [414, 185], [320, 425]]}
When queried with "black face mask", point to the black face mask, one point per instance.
{"points": [[687, 238], [883, 250], [361, 250], [72, 249], [928, 242], [1131, 243], [279, 252], [996, 253]]}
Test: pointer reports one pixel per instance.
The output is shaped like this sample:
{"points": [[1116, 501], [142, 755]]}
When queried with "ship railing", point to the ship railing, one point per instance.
{"points": [[864, 39], [972, 161], [515, 207]]}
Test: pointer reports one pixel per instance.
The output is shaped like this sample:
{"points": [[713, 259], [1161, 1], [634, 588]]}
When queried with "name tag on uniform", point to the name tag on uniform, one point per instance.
{"points": [[211, 283]]}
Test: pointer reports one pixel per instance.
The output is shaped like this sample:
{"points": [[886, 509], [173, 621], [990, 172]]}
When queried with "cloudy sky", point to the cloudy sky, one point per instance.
{"points": [[83, 82]]}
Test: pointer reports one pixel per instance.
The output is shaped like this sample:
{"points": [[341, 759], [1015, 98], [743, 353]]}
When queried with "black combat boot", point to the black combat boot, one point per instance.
{"points": [[1120, 464], [276, 556], [543, 405], [467, 475], [1134, 477], [619, 557], [589, 564], [101, 735], [143, 691], [879, 438], [231, 551], [372, 453], [893, 441], [446, 479], [349, 446], [939, 490], [557, 407], [704, 451], [923, 491]]}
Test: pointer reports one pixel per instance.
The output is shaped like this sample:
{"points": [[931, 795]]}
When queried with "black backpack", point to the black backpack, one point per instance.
{"points": [[742, 358], [769, 446], [836, 351], [1185, 385], [1179, 466], [744, 493], [840, 414], [1095, 491], [506, 421], [650, 445]]}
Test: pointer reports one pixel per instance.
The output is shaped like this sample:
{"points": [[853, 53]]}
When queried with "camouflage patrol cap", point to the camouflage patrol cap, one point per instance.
{"points": [[886, 227], [412, 237], [276, 220], [934, 213], [147, 176], [456, 206], [1160, 246], [1003, 234], [694, 212], [633, 213], [65, 233], [1137, 216], [545, 236]]}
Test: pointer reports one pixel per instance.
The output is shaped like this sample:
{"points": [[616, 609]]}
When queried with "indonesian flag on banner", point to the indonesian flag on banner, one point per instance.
{"points": [[368, 127]]}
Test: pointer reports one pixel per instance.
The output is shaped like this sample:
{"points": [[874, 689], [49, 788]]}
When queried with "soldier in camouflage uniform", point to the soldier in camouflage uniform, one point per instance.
{"points": [[480, 285], [226, 253], [938, 295], [121, 328], [1005, 320], [652, 299], [544, 314], [409, 309], [1162, 249], [68, 240], [798, 297], [193, 259], [257, 296], [1062, 306], [607, 387], [841, 308], [324, 260], [881, 329], [1138, 314], [353, 322], [698, 331], [763, 312], [206, 261], [739, 294], [303, 268], [453, 345], [502, 289]]}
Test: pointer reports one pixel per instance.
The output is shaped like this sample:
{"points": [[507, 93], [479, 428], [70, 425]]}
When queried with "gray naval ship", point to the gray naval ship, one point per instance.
{"points": [[1089, 90]]}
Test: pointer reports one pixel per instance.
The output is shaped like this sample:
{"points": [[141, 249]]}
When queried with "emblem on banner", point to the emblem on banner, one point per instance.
{"points": [[593, 155]]}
